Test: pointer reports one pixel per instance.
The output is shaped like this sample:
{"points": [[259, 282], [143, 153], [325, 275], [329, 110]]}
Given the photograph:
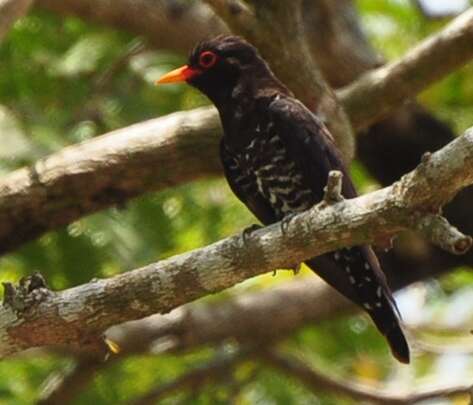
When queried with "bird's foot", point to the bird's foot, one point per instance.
{"points": [[297, 269], [246, 234], [286, 221]]}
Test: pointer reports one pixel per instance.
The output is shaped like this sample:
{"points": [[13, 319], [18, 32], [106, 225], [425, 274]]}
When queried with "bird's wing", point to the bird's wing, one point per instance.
{"points": [[309, 144], [244, 187]]}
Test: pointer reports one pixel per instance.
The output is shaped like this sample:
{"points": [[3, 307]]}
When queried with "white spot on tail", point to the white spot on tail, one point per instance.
{"points": [[367, 266], [367, 306], [379, 291]]}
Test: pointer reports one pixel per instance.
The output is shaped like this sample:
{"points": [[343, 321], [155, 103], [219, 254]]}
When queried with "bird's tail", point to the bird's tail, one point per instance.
{"points": [[356, 274]]}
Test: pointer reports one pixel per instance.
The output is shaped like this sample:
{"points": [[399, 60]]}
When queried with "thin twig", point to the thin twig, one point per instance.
{"points": [[212, 371], [333, 189], [317, 381], [376, 93]]}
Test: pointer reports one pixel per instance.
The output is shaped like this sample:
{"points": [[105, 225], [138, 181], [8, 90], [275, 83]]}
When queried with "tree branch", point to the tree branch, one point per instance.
{"points": [[250, 318], [316, 381], [34, 316], [107, 170], [244, 318], [376, 93]]}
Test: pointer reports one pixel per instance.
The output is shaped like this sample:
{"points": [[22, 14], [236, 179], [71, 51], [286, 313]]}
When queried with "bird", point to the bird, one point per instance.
{"points": [[277, 155]]}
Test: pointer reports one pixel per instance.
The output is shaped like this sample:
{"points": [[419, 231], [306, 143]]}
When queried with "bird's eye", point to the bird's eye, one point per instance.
{"points": [[207, 59]]}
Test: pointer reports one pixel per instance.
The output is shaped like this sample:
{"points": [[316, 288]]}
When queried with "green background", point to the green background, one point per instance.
{"points": [[57, 88]]}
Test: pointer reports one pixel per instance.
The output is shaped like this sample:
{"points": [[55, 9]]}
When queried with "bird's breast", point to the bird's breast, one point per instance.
{"points": [[278, 178]]}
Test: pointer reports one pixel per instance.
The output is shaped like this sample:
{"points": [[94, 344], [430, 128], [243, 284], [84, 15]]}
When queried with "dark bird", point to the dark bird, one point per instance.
{"points": [[277, 156]]}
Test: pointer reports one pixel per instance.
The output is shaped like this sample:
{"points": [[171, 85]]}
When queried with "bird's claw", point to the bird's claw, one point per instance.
{"points": [[297, 269], [246, 234], [286, 221]]}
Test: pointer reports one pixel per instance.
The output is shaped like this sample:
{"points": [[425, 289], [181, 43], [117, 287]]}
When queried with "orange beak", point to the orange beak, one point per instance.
{"points": [[181, 74]]}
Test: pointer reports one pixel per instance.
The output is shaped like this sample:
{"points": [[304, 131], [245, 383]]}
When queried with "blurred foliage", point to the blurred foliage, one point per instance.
{"points": [[64, 81]]}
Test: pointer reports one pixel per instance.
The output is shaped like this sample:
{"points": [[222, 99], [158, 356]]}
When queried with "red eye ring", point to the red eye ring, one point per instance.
{"points": [[207, 59]]}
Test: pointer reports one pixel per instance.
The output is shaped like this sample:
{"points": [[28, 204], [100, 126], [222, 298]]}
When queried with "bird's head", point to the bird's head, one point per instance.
{"points": [[216, 66]]}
